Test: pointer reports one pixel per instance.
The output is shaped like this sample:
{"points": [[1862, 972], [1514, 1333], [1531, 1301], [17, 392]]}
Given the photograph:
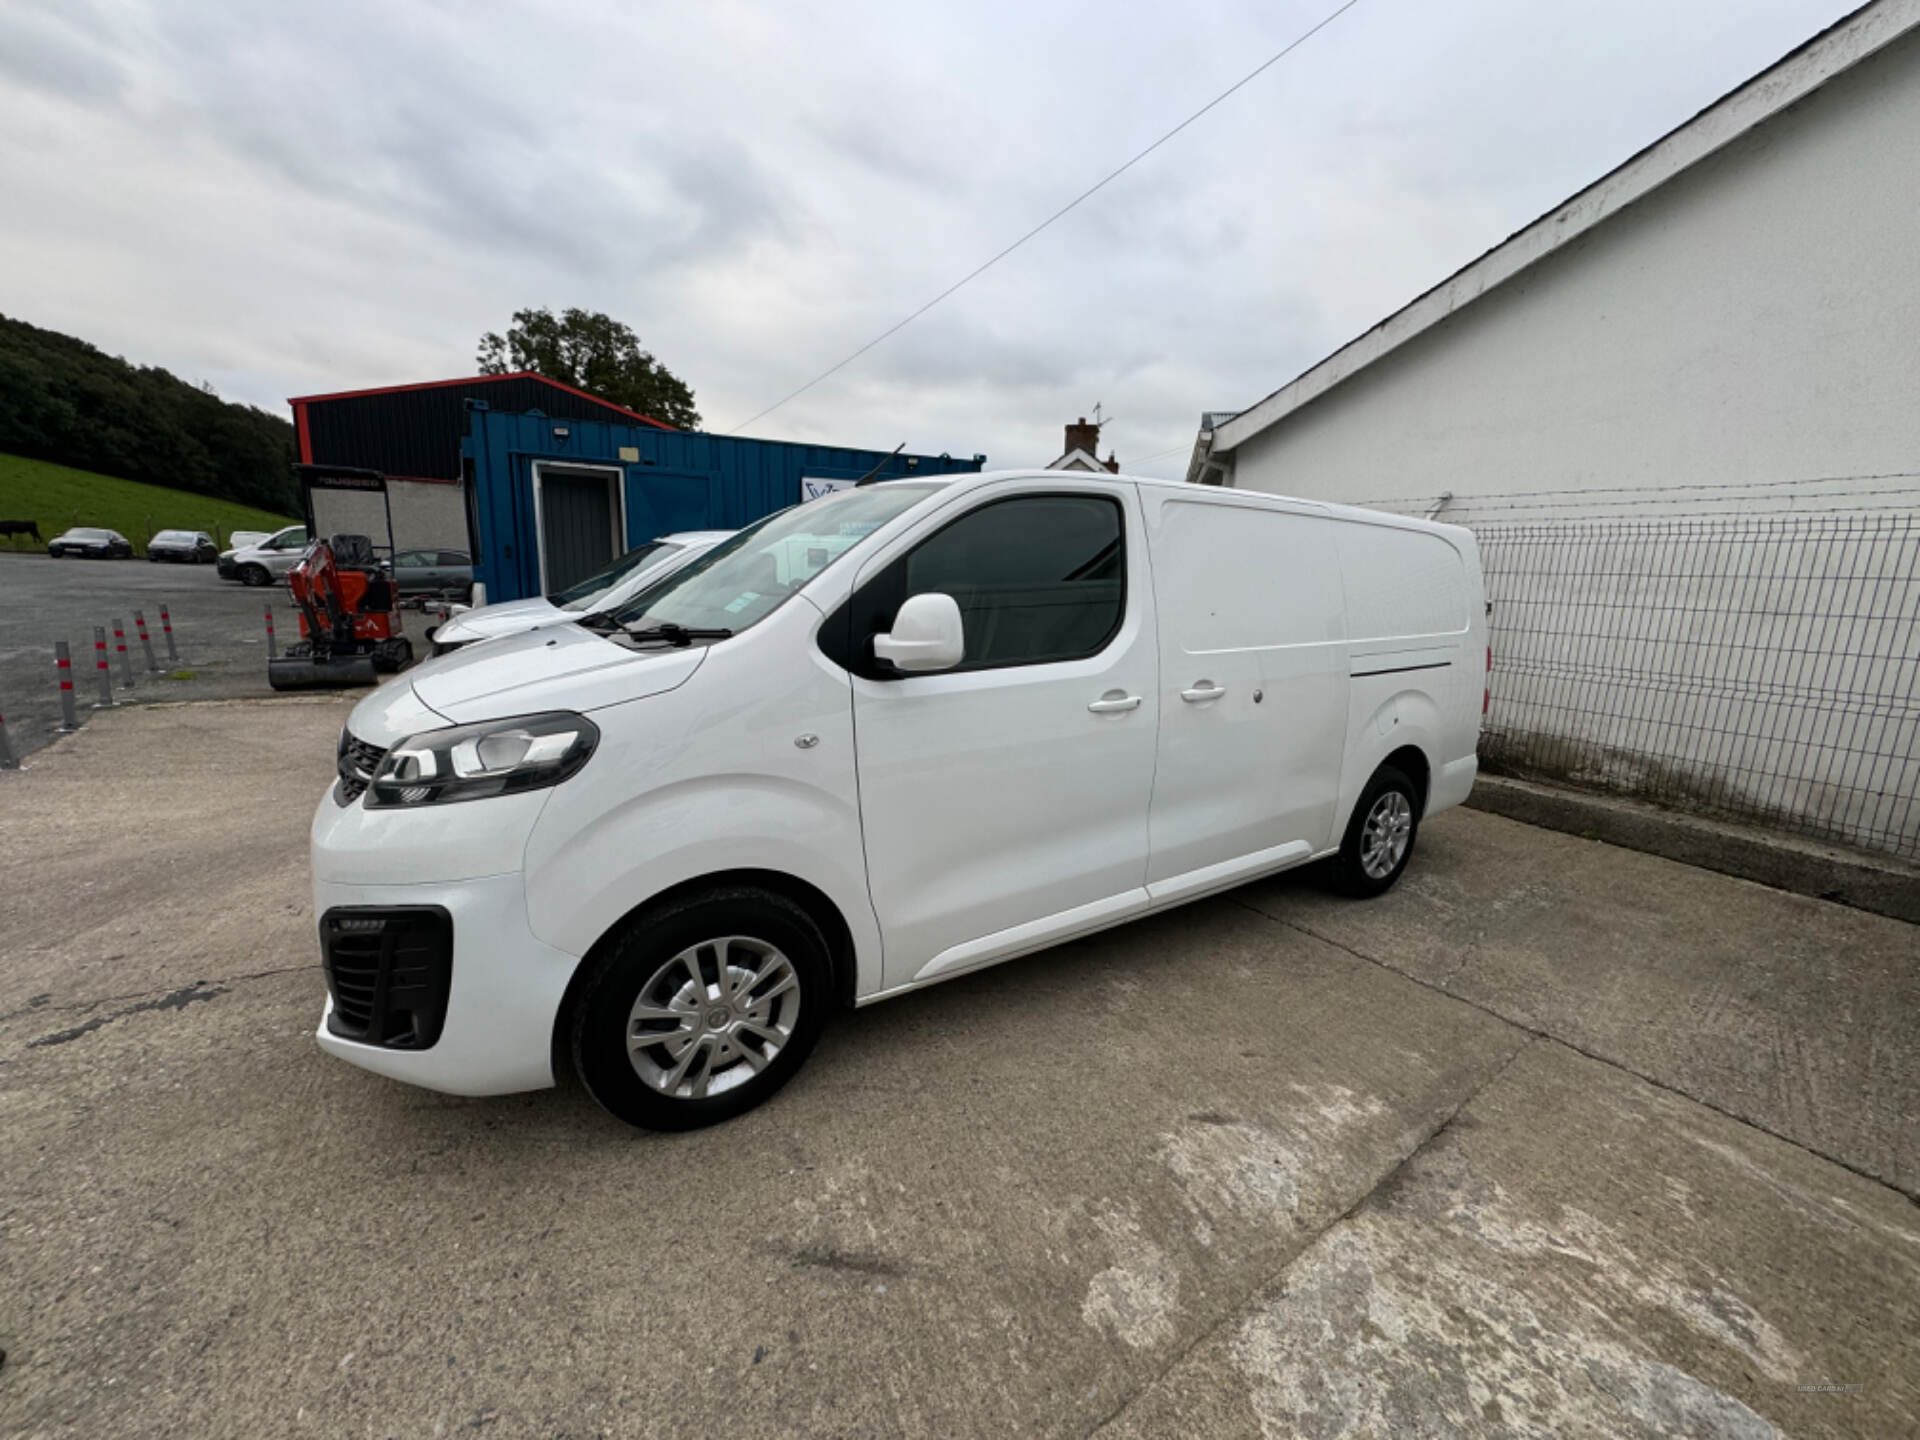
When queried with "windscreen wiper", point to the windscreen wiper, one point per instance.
{"points": [[678, 634], [600, 620]]}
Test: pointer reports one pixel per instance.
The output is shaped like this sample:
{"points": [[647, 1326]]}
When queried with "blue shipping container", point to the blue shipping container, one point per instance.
{"points": [[546, 496]]}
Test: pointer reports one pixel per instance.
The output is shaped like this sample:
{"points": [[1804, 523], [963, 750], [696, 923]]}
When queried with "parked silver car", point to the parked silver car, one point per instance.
{"points": [[183, 547], [92, 543], [433, 572], [633, 572], [259, 564]]}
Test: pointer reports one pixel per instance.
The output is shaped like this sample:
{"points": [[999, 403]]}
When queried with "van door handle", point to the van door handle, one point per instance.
{"points": [[1202, 691], [1113, 702]]}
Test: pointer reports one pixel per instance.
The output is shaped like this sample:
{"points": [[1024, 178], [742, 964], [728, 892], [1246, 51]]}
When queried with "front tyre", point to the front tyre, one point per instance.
{"points": [[1380, 836], [255, 576], [697, 1011]]}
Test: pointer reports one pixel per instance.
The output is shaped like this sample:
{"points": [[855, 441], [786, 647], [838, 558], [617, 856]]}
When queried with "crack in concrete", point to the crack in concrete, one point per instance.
{"points": [[42, 1002], [172, 1000], [1911, 1195]]}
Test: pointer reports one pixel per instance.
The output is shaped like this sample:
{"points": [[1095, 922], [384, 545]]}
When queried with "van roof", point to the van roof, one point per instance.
{"points": [[1318, 507]]}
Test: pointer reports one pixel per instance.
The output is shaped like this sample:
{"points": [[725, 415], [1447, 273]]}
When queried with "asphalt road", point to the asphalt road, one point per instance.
{"points": [[1553, 1139], [219, 627]]}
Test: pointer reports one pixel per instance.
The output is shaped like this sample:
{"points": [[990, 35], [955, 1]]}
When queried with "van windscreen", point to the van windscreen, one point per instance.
{"points": [[745, 578]]}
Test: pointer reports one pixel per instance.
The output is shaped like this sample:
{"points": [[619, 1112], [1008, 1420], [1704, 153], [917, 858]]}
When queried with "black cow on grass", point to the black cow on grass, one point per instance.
{"points": [[11, 528]]}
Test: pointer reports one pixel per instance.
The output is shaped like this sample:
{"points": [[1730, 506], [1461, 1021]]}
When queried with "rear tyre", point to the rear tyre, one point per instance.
{"points": [[699, 1010], [255, 575], [1380, 836]]}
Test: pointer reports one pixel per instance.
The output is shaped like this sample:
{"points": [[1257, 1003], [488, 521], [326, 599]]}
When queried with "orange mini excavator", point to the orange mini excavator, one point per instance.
{"points": [[349, 622]]}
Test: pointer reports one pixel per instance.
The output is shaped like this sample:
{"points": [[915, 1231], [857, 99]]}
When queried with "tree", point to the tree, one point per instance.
{"points": [[592, 352]]}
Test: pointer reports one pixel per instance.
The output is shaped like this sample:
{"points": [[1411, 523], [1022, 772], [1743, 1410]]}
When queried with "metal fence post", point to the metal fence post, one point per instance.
{"points": [[105, 702], [146, 641], [7, 762], [63, 667], [166, 628], [126, 660], [272, 649]]}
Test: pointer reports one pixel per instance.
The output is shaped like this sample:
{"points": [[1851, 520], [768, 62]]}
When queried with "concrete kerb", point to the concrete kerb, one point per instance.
{"points": [[1826, 872]]}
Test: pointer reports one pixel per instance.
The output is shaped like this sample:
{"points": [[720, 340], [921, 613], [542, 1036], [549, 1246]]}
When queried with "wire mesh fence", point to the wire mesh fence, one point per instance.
{"points": [[1750, 667]]}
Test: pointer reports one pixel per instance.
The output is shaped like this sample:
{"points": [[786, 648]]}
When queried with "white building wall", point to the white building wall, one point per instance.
{"points": [[1690, 443], [424, 514], [1757, 318]]}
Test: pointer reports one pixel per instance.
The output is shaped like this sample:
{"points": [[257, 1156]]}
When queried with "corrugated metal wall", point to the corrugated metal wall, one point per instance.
{"points": [[681, 480], [415, 432]]}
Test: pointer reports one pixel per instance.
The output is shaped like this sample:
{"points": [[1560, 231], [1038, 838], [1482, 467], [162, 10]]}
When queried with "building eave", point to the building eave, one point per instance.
{"points": [[1840, 47], [299, 400]]}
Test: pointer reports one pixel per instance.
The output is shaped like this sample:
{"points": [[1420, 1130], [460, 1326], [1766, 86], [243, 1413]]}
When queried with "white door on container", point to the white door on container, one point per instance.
{"points": [[1011, 791], [1253, 682]]}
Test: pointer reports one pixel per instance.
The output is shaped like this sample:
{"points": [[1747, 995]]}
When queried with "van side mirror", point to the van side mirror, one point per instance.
{"points": [[927, 635]]}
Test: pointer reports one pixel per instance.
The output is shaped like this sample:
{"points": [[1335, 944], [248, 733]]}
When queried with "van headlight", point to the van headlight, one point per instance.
{"points": [[471, 762]]}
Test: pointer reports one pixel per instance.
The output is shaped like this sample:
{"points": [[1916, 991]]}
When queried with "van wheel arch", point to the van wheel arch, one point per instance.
{"points": [[1410, 761], [821, 910]]}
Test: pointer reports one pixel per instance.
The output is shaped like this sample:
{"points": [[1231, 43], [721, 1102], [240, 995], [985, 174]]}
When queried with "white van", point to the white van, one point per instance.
{"points": [[870, 743]]}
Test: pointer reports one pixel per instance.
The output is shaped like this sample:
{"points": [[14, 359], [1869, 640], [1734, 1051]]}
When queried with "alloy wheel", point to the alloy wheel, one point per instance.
{"points": [[1388, 831], [713, 1017]]}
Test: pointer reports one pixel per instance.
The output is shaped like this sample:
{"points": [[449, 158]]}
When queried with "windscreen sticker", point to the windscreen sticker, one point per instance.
{"points": [[741, 601]]}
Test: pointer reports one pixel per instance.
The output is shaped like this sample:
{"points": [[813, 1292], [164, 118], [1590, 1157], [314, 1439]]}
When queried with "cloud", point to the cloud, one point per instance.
{"points": [[293, 199]]}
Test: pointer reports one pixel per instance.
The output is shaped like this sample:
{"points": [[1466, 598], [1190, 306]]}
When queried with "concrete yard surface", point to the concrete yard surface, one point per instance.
{"points": [[1553, 1139]]}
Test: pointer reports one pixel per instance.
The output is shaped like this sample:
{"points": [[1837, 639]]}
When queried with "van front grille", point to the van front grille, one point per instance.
{"points": [[355, 760]]}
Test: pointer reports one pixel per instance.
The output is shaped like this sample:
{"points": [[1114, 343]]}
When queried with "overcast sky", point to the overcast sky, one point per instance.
{"points": [[284, 200]]}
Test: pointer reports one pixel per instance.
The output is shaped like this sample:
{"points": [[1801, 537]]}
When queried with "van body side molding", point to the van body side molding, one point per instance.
{"points": [[1227, 872], [1035, 934], [1402, 669]]}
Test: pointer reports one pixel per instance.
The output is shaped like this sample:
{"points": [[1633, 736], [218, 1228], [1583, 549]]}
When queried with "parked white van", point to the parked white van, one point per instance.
{"points": [[872, 742]]}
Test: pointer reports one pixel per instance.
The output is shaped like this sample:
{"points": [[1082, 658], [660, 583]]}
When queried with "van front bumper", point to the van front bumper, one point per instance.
{"points": [[502, 997]]}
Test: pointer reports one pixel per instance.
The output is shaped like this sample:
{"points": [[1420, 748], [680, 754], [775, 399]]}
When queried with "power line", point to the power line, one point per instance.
{"points": [[1084, 195]]}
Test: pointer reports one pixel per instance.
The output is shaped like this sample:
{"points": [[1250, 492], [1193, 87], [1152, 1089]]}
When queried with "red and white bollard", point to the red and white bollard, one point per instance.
{"points": [[126, 661], [106, 701], [272, 649], [63, 667], [166, 628], [146, 641]]}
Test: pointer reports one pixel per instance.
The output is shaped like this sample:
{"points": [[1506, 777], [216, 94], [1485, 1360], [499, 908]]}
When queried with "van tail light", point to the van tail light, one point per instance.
{"points": [[1486, 695]]}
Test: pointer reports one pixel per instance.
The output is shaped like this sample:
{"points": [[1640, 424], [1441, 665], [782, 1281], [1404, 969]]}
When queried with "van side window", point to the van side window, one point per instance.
{"points": [[1038, 579]]}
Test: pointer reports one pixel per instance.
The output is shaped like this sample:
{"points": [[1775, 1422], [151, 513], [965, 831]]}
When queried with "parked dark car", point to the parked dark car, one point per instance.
{"points": [[92, 544], [183, 547], [433, 572]]}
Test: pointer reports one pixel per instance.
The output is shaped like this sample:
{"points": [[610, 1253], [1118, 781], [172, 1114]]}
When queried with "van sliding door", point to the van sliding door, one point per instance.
{"points": [[1253, 688]]}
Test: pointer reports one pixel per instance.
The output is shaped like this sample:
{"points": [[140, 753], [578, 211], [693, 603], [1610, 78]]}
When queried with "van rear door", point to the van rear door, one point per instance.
{"points": [[1253, 687]]}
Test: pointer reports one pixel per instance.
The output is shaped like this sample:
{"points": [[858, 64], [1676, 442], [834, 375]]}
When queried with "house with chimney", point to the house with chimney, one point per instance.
{"points": [[1082, 450]]}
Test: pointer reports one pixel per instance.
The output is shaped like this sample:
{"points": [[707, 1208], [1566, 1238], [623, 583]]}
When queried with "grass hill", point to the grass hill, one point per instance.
{"points": [[66, 401], [57, 496]]}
